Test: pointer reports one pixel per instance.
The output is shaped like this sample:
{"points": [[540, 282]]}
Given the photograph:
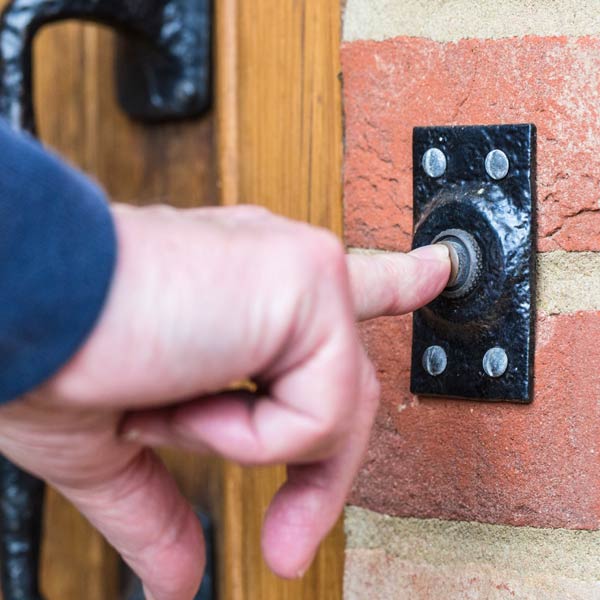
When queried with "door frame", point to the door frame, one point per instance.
{"points": [[280, 145]]}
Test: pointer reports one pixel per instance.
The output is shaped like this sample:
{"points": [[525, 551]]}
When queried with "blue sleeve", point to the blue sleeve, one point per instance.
{"points": [[57, 256]]}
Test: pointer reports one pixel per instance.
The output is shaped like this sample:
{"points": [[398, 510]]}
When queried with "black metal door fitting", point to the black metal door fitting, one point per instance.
{"points": [[474, 191], [163, 74]]}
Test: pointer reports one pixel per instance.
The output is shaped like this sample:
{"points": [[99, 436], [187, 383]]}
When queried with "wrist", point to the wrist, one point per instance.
{"points": [[85, 375]]}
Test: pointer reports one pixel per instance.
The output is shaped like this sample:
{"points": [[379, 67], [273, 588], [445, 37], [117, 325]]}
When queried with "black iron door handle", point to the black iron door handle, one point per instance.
{"points": [[163, 73], [163, 66]]}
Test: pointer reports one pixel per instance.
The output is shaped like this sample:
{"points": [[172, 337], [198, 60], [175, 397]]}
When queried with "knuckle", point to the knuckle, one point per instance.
{"points": [[394, 293], [251, 210], [328, 248], [324, 433], [323, 255], [374, 391], [391, 272], [312, 258], [162, 211], [371, 386]]}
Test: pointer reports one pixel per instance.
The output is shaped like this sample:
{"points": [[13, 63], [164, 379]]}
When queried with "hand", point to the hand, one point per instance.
{"points": [[201, 299]]}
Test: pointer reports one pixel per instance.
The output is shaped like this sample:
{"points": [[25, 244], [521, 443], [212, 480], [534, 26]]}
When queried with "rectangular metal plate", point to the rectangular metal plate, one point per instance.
{"points": [[499, 214]]}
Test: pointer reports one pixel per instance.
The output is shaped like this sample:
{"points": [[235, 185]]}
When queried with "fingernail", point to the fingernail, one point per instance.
{"points": [[435, 252], [148, 595], [301, 572], [131, 435]]}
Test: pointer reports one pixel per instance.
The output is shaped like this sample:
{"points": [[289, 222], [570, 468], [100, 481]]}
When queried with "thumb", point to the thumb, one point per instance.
{"points": [[389, 284], [142, 514]]}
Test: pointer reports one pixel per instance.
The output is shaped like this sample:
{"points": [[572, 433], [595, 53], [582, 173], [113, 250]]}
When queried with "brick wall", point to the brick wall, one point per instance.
{"points": [[513, 468]]}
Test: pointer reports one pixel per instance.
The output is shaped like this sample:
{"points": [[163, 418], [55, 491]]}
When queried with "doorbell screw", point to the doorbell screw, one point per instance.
{"points": [[435, 360], [495, 362], [434, 163], [497, 165]]}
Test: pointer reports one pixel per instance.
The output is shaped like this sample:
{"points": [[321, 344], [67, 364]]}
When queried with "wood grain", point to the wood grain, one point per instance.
{"points": [[280, 145], [175, 164]]}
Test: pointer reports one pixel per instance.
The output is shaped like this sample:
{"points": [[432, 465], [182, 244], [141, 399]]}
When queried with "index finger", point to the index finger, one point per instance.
{"points": [[389, 283]]}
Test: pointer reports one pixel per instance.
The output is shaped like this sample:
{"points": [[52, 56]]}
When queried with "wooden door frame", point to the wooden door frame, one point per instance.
{"points": [[279, 128]]}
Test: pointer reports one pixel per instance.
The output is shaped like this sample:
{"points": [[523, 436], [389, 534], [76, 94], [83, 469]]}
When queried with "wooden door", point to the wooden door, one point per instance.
{"points": [[274, 138]]}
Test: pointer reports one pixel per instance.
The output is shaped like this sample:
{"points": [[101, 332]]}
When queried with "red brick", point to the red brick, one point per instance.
{"points": [[391, 86], [533, 465]]}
